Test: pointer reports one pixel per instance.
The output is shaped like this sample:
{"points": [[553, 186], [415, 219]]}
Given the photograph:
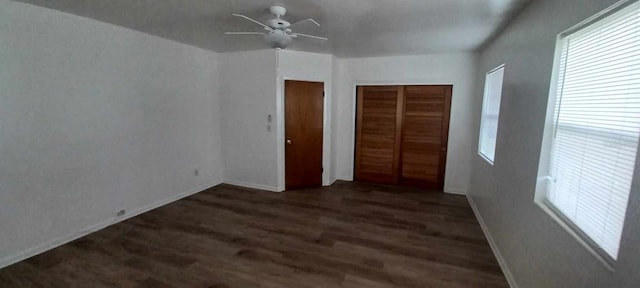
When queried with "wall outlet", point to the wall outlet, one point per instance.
{"points": [[121, 212]]}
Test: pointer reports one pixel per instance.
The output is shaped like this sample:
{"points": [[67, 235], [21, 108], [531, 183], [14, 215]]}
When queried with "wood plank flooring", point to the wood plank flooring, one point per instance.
{"points": [[346, 235]]}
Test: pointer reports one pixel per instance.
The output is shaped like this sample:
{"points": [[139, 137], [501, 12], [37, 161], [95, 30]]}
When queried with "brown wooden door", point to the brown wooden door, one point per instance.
{"points": [[378, 131], [401, 134], [425, 130], [304, 105]]}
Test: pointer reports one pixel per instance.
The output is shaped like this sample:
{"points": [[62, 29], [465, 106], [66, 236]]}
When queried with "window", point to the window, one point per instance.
{"points": [[490, 113], [595, 123]]}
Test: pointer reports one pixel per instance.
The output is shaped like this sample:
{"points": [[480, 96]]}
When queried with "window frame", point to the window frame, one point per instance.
{"points": [[540, 198], [485, 103]]}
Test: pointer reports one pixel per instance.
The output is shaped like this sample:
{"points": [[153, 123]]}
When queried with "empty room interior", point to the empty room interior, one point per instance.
{"points": [[319, 143]]}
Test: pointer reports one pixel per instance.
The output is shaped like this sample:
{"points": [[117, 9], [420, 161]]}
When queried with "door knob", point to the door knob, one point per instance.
{"points": [[289, 141]]}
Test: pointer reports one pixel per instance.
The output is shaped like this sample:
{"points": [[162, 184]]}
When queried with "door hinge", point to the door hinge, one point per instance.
{"points": [[323, 93], [322, 169]]}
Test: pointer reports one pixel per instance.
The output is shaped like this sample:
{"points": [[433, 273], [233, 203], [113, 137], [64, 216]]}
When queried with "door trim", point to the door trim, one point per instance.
{"points": [[326, 128], [354, 108]]}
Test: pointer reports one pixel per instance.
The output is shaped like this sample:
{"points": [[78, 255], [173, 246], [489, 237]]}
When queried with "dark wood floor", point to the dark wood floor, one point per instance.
{"points": [[346, 235]]}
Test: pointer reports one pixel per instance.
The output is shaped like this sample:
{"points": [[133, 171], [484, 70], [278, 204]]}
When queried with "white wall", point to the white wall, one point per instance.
{"points": [[535, 249], [96, 118], [251, 89], [456, 69], [335, 74], [248, 96], [303, 66]]}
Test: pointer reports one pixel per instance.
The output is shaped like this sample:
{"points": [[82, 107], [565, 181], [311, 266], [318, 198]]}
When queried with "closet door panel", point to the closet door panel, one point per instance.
{"points": [[401, 135], [377, 131], [424, 135]]}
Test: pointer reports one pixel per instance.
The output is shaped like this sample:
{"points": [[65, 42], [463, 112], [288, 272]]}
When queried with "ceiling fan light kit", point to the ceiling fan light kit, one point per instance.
{"points": [[278, 39], [279, 35]]}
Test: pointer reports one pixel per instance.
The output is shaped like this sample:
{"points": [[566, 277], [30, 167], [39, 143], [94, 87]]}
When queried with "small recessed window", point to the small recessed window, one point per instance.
{"points": [[490, 114], [593, 125]]}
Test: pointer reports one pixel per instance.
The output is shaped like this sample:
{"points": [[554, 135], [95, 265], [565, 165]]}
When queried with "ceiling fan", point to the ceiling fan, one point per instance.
{"points": [[278, 31]]}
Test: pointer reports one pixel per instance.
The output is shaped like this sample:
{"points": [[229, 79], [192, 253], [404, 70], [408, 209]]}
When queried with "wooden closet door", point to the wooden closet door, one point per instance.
{"points": [[425, 135], [378, 130]]}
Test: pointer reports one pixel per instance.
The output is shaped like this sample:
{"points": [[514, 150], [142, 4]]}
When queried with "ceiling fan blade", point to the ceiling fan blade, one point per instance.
{"points": [[306, 20], [245, 33], [254, 21], [310, 36]]}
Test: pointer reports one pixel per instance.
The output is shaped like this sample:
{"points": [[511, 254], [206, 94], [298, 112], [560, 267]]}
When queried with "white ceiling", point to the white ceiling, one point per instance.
{"points": [[356, 28]]}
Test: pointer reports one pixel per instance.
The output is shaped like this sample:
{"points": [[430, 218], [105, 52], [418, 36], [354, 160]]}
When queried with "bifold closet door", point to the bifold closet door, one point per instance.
{"points": [[401, 134], [425, 131], [378, 131]]}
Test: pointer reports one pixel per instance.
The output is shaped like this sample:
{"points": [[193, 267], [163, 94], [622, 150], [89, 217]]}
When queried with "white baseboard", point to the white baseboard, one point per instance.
{"points": [[454, 191], [48, 245], [253, 186], [344, 178], [494, 247]]}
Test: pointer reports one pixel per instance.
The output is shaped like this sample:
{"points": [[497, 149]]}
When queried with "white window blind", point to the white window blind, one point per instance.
{"points": [[596, 127], [490, 113]]}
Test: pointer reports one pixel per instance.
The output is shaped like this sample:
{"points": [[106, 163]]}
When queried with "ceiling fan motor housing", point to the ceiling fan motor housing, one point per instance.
{"points": [[278, 23]]}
